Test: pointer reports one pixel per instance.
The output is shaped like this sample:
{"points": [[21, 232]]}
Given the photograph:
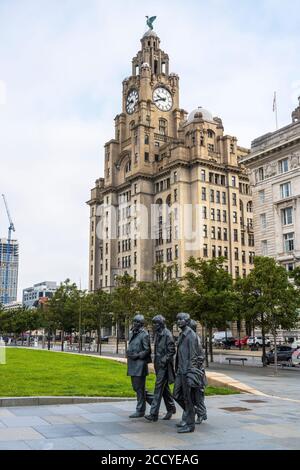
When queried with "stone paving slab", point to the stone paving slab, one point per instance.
{"points": [[274, 424]]}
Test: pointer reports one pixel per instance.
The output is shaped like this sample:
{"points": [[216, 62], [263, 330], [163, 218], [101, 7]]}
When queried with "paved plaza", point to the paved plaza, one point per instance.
{"points": [[235, 422]]}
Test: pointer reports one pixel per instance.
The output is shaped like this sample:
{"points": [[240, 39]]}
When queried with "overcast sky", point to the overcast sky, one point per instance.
{"points": [[62, 63]]}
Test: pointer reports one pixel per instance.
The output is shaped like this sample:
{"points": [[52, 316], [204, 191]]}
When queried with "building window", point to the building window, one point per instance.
{"points": [[264, 247], [175, 195], [262, 196], [290, 267], [203, 177], [175, 176], [223, 197], [235, 217], [106, 248], [176, 251], [211, 147], [135, 258], [237, 271], [261, 174], [219, 251], [219, 233], [203, 194], [212, 195], [218, 215], [285, 190], [213, 233], [234, 199], [213, 251], [287, 216], [205, 231], [163, 127], [225, 234], [218, 197], [288, 239], [233, 180], [250, 207], [105, 281], [283, 165], [243, 257], [224, 216], [235, 235], [225, 252], [212, 214], [263, 221], [236, 254], [146, 139], [204, 212], [146, 156], [251, 239]]}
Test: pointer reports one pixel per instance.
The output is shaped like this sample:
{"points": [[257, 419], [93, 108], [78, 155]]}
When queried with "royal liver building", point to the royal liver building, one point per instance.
{"points": [[173, 186]]}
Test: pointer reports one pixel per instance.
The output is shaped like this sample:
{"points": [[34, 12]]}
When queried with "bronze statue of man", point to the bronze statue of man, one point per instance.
{"points": [[187, 372], [138, 358], [198, 396], [164, 351]]}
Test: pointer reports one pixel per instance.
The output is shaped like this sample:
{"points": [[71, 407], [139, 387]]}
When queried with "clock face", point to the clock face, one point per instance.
{"points": [[132, 101], [162, 99]]}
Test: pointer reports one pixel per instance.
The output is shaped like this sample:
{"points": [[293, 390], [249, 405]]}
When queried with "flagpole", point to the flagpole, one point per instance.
{"points": [[275, 109]]}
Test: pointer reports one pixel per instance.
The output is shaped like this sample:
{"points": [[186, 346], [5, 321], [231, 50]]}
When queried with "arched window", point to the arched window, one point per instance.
{"points": [[250, 206], [210, 134], [163, 127], [128, 166]]}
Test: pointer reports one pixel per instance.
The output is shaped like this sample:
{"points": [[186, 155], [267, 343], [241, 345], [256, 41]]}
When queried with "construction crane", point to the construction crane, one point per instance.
{"points": [[11, 229]]}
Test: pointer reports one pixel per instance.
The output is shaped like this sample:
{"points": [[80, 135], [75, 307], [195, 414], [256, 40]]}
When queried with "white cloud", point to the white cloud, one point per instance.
{"points": [[63, 63]]}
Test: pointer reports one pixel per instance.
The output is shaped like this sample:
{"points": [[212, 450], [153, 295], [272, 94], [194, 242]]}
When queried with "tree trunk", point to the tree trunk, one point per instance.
{"points": [[206, 349], [263, 341], [62, 339], [49, 338], [275, 350], [126, 333], [117, 344], [99, 339], [210, 345], [239, 332]]}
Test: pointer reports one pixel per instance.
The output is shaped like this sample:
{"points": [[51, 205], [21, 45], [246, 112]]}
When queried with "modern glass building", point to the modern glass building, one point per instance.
{"points": [[13, 267]]}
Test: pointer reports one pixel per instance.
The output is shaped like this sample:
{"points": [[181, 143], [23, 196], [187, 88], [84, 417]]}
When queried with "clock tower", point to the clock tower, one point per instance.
{"points": [[162, 157]]}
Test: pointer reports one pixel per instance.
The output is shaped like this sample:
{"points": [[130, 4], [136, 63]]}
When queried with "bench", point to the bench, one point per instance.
{"points": [[239, 359]]}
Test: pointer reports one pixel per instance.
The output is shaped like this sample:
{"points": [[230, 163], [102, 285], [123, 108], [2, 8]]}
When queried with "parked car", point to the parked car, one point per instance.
{"points": [[241, 342], [258, 341], [296, 344], [284, 354], [225, 343], [220, 335], [296, 357]]}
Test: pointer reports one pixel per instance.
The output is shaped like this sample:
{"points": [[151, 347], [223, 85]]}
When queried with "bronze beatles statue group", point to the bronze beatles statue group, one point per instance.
{"points": [[188, 375]]}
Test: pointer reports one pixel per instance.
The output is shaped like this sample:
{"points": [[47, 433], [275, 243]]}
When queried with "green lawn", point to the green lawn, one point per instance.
{"points": [[41, 373]]}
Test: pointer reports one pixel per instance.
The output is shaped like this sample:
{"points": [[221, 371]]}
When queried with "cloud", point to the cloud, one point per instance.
{"points": [[63, 63]]}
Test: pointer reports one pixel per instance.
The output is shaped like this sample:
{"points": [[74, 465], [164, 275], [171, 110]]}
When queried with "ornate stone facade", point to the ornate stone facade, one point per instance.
{"points": [[274, 165], [162, 156]]}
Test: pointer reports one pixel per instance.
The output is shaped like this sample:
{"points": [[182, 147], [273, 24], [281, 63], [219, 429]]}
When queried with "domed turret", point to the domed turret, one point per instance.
{"points": [[200, 113]]}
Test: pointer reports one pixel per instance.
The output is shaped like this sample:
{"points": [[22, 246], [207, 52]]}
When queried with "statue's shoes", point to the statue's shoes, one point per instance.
{"points": [[200, 419], [169, 414], [182, 424], [151, 418], [186, 429], [137, 415]]}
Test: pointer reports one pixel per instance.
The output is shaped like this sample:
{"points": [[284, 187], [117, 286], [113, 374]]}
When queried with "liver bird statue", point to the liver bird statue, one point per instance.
{"points": [[150, 21]]}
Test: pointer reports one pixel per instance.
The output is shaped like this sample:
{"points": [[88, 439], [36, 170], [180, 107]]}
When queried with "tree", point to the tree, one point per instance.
{"points": [[100, 312], [124, 304], [209, 294], [63, 309], [274, 299], [162, 296]]}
